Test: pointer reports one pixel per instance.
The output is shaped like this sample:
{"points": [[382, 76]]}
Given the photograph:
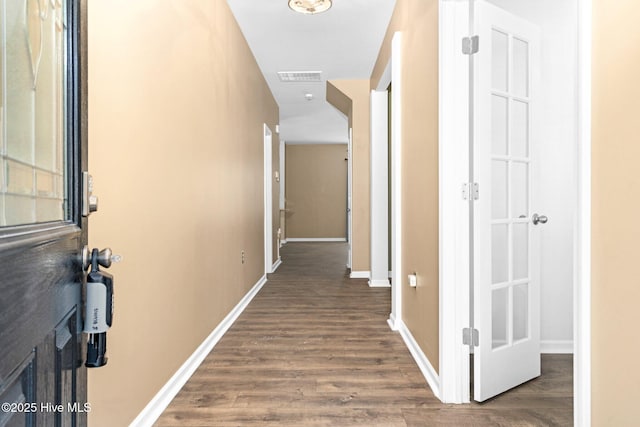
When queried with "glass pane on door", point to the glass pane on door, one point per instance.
{"points": [[520, 312], [510, 189], [500, 69], [499, 317], [32, 112]]}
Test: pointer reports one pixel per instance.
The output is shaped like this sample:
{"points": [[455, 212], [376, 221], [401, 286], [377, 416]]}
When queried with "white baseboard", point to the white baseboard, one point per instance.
{"points": [[556, 346], [379, 283], [283, 242], [430, 374], [360, 274], [163, 398], [316, 239], [392, 322], [276, 264]]}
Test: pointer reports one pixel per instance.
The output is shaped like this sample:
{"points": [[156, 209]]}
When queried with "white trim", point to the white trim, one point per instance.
{"points": [[315, 239], [454, 211], [393, 322], [268, 199], [283, 242], [276, 264], [556, 346], [582, 250], [350, 198], [163, 398], [379, 283], [421, 359], [379, 187], [385, 79], [359, 274], [283, 156], [396, 179]]}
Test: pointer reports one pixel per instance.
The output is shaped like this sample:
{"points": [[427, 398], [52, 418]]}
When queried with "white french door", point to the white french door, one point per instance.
{"points": [[506, 306]]}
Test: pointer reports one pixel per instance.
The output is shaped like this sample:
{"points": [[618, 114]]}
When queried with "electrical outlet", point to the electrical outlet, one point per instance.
{"points": [[243, 257], [413, 280]]}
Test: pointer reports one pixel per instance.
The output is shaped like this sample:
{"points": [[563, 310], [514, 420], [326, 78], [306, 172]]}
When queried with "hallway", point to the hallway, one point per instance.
{"points": [[314, 349]]}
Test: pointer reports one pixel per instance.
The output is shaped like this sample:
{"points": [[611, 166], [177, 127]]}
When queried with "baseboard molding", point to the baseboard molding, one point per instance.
{"points": [[379, 283], [163, 398], [276, 264], [392, 322], [316, 239], [421, 359], [283, 242], [556, 346], [360, 274]]}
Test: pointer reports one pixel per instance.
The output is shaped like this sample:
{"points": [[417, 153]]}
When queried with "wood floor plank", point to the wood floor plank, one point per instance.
{"points": [[313, 348]]}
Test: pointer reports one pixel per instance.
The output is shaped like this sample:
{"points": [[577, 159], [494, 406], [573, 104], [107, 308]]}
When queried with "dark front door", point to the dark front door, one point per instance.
{"points": [[42, 230]]}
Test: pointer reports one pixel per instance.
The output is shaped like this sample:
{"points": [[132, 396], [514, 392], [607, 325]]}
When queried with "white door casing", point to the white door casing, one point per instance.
{"points": [[506, 242], [350, 199], [268, 200], [395, 317], [379, 187]]}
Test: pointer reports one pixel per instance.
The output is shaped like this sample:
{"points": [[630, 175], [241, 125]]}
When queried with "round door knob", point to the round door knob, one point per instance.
{"points": [[542, 219], [106, 257]]}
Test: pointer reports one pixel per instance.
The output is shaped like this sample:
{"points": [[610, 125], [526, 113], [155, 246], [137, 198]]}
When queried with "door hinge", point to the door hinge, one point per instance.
{"points": [[475, 189], [470, 337], [470, 45]]}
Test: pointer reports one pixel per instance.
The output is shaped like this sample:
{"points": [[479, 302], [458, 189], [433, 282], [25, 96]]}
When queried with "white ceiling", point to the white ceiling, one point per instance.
{"points": [[343, 43]]}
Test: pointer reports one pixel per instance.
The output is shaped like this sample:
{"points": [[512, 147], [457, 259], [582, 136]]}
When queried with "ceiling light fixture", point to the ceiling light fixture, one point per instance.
{"points": [[310, 7]]}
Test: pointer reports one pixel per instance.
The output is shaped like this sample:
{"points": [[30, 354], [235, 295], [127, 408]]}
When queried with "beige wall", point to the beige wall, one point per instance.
{"points": [[316, 190], [176, 111], [616, 209], [418, 22], [358, 93]]}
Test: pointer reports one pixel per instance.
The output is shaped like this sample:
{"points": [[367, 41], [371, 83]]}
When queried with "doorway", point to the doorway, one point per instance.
{"points": [[386, 137], [496, 247]]}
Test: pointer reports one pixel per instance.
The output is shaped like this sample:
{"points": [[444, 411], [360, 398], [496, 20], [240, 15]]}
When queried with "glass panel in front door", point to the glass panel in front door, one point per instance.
{"points": [[32, 112], [510, 173]]}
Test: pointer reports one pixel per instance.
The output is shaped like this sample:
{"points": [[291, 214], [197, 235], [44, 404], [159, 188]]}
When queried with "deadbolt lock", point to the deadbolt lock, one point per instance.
{"points": [[89, 201]]}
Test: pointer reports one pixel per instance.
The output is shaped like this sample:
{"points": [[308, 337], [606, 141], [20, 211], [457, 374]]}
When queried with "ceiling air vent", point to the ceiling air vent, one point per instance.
{"points": [[300, 76]]}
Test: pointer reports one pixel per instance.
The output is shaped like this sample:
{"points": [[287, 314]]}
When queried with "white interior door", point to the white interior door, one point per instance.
{"points": [[506, 242]]}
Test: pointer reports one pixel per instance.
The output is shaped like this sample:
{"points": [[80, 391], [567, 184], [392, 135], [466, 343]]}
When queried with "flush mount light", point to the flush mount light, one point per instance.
{"points": [[310, 7]]}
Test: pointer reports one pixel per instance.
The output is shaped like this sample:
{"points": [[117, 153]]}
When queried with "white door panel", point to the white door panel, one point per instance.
{"points": [[506, 243]]}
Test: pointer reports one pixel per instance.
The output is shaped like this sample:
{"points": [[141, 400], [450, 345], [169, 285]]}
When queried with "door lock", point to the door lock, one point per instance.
{"points": [[89, 201], [98, 306], [105, 258]]}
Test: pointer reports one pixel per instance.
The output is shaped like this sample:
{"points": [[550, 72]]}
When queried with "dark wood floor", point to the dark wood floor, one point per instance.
{"points": [[314, 349]]}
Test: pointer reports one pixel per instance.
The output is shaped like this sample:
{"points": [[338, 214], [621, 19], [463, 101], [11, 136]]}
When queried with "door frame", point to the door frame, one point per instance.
{"points": [[349, 212], [379, 178], [454, 224], [268, 200], [392, 73]]}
